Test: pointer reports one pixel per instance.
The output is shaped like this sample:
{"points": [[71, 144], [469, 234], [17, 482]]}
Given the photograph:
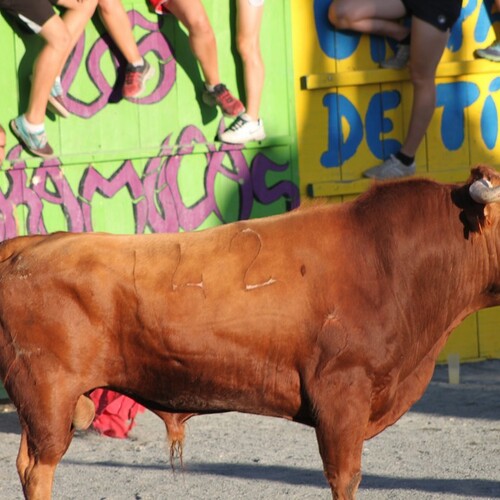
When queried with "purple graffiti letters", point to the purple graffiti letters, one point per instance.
{"points": [[47, 184], [261, 165], [93, 181], [156, 198]]}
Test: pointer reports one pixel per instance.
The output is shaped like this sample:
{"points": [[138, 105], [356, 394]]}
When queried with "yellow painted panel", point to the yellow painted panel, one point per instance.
{"points": [[363, 100], [307, 58], [361, 58], [463, 340], [485, 140], [313, 139], [489, 332], [447, 126], [315, 81]]}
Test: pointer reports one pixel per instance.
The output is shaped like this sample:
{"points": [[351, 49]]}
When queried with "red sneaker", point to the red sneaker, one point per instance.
{"points": [[135, 79], [221, 97]]}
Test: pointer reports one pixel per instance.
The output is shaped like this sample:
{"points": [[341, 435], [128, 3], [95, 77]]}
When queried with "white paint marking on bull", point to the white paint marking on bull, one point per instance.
{"points": [[270, 281]]}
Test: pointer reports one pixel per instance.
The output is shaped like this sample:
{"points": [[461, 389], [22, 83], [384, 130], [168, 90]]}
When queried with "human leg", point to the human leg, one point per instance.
{"points": [[47, 66], [75, 18], [426, 49], [193, 16], [59, 34], [29, 128], [248, 42], [117, 24], [377, 17], [249, 126]]}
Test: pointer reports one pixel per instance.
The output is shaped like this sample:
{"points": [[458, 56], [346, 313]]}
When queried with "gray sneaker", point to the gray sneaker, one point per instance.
{"points": [[492, 53], [390, 169], [36, 143], [57, 103], [399, 60]]}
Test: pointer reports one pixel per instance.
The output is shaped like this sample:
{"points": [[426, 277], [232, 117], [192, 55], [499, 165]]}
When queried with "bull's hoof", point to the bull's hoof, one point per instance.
{"points": [[84, 413]]}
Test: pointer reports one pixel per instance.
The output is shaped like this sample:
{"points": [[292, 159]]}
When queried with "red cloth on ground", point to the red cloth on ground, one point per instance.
{"points": [[115, 413]]}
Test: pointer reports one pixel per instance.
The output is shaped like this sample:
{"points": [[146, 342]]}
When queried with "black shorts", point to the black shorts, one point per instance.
{"points": [[440, 13], [34, 13]]}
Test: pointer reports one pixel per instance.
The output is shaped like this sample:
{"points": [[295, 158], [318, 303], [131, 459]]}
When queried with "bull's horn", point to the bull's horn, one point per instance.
{"points": [[483, 192]]}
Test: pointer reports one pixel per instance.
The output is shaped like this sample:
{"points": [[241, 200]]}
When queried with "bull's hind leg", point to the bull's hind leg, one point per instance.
{"points": [[342, 414]]}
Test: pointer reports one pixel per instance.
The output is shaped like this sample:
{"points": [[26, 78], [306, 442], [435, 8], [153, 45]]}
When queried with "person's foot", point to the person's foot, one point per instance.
{"points": [[135, 79], [244, 130], [57, 103], [390, 169], [220, 96], [492, 53], [399, 60], [35, 142]]}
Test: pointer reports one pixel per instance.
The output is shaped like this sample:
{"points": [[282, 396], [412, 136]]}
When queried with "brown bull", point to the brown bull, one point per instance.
{"points": [[331, 316]]}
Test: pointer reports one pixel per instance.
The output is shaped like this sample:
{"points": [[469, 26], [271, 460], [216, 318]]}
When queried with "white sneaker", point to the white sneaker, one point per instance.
{"points": [[244, 130], [399, 60], [390, 169]]}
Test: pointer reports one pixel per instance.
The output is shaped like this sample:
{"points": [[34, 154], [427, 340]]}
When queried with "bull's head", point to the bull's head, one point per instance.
{"points": [[477, 199], [485, 187]]}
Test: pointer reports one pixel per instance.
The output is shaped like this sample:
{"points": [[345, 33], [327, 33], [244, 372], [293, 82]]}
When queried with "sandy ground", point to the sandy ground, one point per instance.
{"points": [[447, 446]]}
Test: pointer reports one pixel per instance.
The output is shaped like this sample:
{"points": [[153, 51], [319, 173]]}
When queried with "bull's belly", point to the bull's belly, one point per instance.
{"points": [[186, 386]]}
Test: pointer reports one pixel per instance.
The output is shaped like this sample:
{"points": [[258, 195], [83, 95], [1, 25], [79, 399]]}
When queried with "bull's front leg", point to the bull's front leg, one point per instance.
{"points": [[36, 476], [342, 414], [47, 429]]}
